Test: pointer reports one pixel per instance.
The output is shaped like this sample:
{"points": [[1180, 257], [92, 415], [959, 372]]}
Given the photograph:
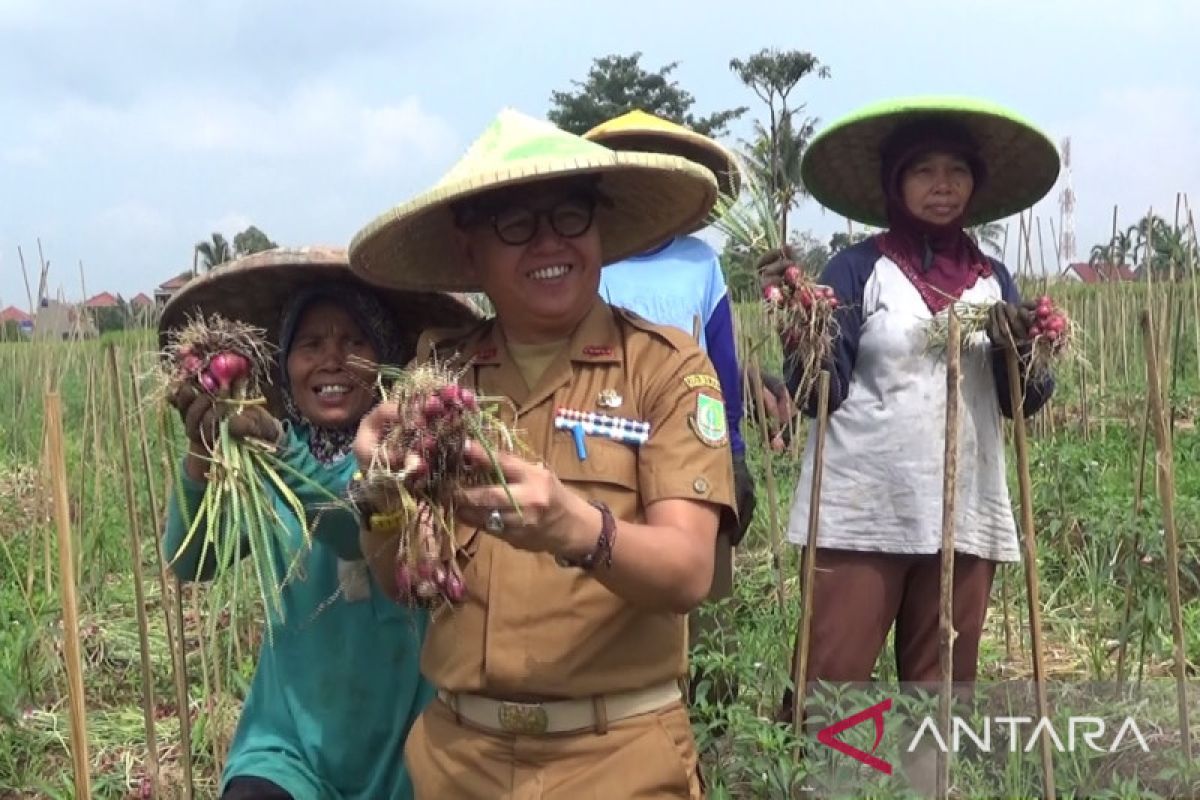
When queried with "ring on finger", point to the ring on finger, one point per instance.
{"points": [[495, 521]]}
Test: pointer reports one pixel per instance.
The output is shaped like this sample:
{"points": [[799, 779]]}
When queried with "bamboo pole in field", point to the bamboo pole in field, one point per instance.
{"points": [[28, 293], [66, 563], [1029, 540], [86, 457], [181, 693], [808, 569], [1165, 473], [135, 544], [946, 632], [1102, 357], [1195, 275], [1134, 558], [760, 411], [174, 624]]}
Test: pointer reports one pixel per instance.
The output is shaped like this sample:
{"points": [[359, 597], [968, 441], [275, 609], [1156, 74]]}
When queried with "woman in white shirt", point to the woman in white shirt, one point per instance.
{"points": [[923, 170]]}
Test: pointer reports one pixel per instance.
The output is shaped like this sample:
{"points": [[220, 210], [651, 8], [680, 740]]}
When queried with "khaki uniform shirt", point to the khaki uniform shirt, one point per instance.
{"points": [[528, 627]]}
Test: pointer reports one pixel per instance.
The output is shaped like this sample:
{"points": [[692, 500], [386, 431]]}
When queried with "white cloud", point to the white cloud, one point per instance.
{"points": [[319, 119]]}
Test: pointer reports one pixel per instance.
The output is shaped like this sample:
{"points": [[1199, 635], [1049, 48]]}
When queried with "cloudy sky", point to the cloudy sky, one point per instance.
{"points": [[130, 129]]}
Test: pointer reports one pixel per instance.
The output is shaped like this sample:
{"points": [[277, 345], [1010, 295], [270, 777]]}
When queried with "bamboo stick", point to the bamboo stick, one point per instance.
{"points": [[66, 563], [1139, 483], [166, 589], [809, 566], [1029, 541], [772, 491], [946, 632], [1166, 490], [135, 544]]}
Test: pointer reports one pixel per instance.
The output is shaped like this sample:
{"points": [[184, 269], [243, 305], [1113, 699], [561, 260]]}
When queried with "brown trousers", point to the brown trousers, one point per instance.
{"points": [[647, 757], [858, 596]]}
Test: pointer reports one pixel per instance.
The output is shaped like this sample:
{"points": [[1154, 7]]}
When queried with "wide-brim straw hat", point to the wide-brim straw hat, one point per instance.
{"points": [[842, 166], [653, 197], [644, 132], [255, 289]]}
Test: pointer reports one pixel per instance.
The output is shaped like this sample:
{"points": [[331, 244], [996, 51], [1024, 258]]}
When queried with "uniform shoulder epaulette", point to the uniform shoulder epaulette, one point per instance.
{"points": [[444, 342], [668, 333]]}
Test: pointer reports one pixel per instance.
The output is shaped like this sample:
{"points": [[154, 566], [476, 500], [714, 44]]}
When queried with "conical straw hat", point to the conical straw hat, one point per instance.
{"points": [[255, 289], [644, 132], [653, 198], [842, 166]]}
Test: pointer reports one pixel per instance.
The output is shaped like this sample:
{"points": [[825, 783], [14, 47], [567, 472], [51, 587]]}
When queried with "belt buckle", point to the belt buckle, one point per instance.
{"points": [[523, 718]]}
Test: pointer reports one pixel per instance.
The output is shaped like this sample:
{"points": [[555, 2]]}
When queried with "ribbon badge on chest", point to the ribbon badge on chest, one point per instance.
{"points": [[582, 424]]}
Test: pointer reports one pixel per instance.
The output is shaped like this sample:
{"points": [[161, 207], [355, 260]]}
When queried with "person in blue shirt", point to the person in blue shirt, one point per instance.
{"points": [[338, 684], [679, 282]]}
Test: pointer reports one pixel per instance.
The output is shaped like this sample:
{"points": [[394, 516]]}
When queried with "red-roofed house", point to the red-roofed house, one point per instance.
{"points": [[14, 314], [102, 300], [1099, 273], [164, 291], [141, 300]]}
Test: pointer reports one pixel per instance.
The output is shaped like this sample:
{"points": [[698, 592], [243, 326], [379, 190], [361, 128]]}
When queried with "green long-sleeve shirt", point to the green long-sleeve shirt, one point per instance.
{"points": [[338, 685]]}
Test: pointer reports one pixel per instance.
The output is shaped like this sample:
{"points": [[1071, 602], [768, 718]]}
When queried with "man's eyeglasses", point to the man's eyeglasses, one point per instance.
{"points": [[518, 224]]}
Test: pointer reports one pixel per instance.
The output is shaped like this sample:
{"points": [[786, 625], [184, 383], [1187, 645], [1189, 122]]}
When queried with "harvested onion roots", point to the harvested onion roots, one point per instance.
{"points": [[1050, 337], [237, 515], [436, 418], [802, 313]]}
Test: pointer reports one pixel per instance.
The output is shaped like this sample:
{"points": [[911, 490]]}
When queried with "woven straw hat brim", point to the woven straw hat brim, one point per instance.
{"points": [[653, 198], [255, 289], [684, 143], [842, 165]]}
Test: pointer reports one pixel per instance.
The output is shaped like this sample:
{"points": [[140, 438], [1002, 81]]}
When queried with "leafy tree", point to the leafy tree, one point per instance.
{"points": [[250, 241], [617, 84], [842, 241], [773, 76]]}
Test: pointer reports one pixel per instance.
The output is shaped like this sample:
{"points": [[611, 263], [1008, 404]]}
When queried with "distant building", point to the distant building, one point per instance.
{"points": [[102, 300], [60, 321], [165, 290], [14, 315], [1099, 273]]}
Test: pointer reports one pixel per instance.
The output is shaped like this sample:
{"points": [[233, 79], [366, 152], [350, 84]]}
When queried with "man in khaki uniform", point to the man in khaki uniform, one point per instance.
{"points": [[559, 675]]}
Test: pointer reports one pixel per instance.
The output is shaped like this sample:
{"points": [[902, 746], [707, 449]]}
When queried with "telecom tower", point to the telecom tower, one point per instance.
{"points": [[1066, 210]]}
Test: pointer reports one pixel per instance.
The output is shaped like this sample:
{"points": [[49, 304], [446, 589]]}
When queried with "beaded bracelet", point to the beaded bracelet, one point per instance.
{"points": [[604, 543]]}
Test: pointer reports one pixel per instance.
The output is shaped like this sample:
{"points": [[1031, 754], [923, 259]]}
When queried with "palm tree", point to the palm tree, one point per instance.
{"points": [[214, 253], [989, 236], [775, 163]]}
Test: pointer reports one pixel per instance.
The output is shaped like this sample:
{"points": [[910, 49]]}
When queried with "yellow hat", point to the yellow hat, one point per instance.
{"points": [[647, 133], [652, 197]]}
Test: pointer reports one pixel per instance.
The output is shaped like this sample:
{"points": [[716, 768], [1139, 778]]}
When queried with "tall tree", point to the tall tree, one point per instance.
{"points": [[773, 76], [214, 252], [250, 241], [617, 84]]}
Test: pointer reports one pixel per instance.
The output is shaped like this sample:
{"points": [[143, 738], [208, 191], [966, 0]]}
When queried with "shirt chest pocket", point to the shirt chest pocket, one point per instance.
{"points": [[608, 473]]}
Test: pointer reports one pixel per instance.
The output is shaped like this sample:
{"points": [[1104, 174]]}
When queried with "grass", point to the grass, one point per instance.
{"points": [[1085, 463]]}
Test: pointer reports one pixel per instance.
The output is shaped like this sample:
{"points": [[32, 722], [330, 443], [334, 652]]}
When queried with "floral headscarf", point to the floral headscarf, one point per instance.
{"points": [[331, 445]]}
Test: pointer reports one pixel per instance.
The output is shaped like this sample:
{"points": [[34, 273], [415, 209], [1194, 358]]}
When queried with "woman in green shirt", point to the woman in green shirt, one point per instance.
{"points": [[338, 685]]}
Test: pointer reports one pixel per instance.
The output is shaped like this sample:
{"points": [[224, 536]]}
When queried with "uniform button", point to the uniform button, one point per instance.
{"points": [[700, 485]]}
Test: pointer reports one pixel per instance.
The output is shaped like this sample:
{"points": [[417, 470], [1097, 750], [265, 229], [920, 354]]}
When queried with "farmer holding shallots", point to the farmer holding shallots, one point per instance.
{"points": [[559, 672], [924, 169], [321, 719]]}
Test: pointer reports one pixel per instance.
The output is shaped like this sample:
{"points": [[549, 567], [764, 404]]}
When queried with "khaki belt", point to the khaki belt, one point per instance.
{"points": [[559, 716]]}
